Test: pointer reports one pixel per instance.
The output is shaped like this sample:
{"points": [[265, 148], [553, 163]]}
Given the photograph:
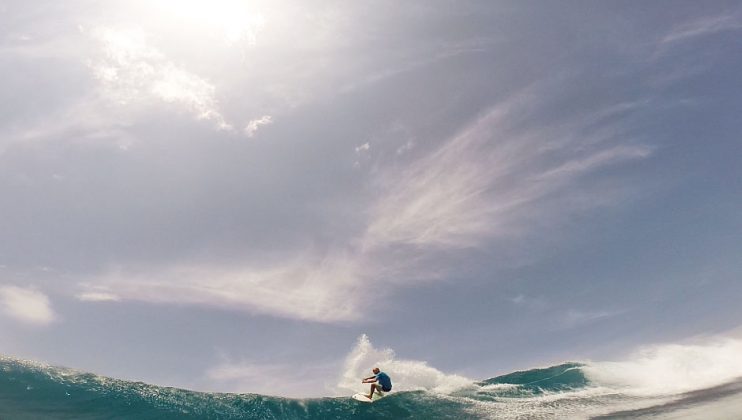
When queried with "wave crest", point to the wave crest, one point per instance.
{"points": [[671, 368], [407, 375]]}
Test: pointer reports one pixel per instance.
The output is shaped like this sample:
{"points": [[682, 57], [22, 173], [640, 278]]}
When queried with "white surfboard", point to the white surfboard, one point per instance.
{"points": [[361, 397], [364, 398]]}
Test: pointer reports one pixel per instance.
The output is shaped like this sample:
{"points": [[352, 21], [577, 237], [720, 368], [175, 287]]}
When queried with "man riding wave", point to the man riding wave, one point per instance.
{"points": [[380, 382]]}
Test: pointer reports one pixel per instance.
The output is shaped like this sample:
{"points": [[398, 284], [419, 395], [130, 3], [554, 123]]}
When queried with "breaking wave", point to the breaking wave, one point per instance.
{"points": [[672, 381]]}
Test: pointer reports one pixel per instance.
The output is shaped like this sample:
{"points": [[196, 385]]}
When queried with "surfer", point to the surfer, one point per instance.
{"points": [[380, 382]]}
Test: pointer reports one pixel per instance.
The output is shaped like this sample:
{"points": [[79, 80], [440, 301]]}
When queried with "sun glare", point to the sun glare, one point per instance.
{"points": [[232, 20]]}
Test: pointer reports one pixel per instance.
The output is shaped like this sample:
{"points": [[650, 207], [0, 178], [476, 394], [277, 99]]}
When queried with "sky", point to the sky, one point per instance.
{"points": [[255, 196]]}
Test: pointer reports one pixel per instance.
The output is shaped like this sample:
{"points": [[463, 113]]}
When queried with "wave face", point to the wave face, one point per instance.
{"points": [[31, 390]]}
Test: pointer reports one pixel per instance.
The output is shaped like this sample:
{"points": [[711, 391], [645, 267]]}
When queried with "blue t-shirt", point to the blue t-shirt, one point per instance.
{"points": [[385, 381]]}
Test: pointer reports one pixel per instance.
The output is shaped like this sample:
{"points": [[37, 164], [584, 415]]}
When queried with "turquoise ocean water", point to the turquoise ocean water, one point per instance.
{"points": [[31, 390]]}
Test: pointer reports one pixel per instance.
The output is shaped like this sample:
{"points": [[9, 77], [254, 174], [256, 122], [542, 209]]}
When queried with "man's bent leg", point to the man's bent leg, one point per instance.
{"points": [[373, 387]]}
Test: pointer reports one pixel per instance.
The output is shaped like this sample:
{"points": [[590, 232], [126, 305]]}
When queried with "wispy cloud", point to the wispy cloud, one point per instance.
{"points": [[575, 318], [253, 126], [488, 181], [92, 296], [132, 72], [531, 303], [702, 27], [26, 305], [317, 289], [676, 68], [429, 57], [362, 152], [405, 147], [494, 180]]}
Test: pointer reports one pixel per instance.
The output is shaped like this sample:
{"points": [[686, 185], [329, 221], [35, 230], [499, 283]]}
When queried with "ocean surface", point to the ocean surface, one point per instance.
{"points": [[30, 390]]}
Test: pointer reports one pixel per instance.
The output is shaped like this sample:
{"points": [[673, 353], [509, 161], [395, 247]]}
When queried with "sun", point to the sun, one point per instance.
{"points": [[232, 20]]}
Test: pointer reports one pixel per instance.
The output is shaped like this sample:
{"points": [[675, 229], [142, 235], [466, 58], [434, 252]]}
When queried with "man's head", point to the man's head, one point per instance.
{"points": [[376, 370]]}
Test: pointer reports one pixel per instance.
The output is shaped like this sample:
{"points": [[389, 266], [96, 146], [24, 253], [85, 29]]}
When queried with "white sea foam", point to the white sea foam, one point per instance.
{"points": [[650, 377], [671, 368], [407, 375], [497, 387]]}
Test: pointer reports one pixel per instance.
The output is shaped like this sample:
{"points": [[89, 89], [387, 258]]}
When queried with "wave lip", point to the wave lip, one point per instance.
{"points": [[559, 378]]}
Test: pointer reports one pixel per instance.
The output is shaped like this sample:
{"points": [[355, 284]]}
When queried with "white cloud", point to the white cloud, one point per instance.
{"points": [[318, 289], [132, 72], [575, 318], [486, 182], [405, 147], [253, 125], [26, 305], [430, 57], [601, 158], [702, 27], [360, 151], [531, 303], [92, 296]]}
